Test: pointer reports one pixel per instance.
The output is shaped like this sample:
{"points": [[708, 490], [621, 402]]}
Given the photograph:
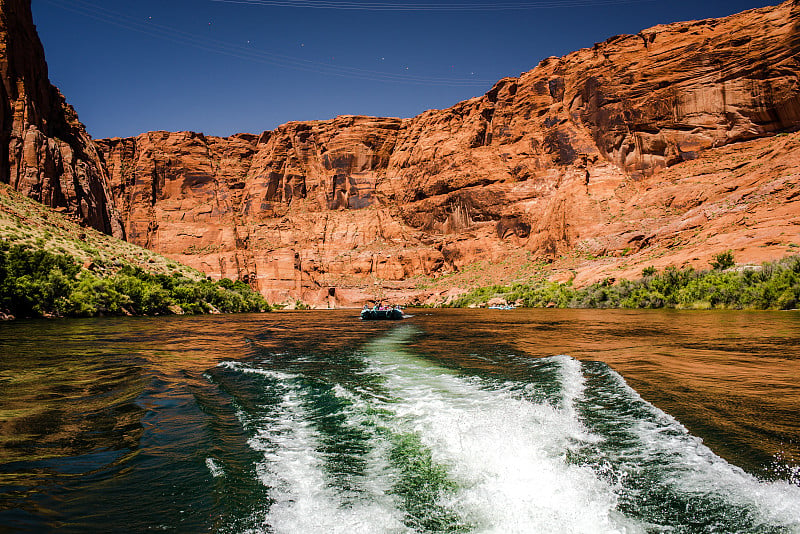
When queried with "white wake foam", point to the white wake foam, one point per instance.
{"points": [[691, 468], [293, 470], [214, 468], [507, 455]]}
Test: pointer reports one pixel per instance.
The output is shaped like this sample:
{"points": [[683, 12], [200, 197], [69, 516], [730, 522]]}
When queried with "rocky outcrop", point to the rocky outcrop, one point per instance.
{"points": [[625, 153], [45, 151], [659, 148]]}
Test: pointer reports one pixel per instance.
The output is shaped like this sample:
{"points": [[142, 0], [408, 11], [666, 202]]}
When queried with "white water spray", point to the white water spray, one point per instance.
{"points": [[305, 500], [507, 455]]}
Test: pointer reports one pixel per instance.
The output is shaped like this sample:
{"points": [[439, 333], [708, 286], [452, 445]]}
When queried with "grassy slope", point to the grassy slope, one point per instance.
{"points": [[772, 285], [27, 222], [51, 266]]}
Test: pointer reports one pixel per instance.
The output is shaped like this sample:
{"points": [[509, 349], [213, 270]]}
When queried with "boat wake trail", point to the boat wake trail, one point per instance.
{"points": [[503, 454], [300, 472], [393, 442]]}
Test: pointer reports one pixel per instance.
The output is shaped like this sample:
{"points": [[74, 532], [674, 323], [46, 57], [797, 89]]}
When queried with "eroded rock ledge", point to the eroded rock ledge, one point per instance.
{"points": [[662, 147], [570, 158]]}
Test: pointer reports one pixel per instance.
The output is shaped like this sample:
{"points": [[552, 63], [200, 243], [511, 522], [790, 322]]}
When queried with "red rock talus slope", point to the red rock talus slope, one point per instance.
{"points": [[653, 148], [45, 151]]}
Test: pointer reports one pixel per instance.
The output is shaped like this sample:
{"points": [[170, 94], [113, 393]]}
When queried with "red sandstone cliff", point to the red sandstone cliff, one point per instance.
{"points": [[659, 148], [45, 151], [652, 148]]}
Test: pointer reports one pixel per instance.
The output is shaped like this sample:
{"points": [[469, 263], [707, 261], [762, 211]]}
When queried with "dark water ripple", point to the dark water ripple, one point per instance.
{"points": [[133, 424]]}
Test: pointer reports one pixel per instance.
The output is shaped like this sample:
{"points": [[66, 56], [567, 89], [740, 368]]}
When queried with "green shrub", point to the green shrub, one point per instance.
{"points": [[35, 283], [723, 260], [94, 296], [774, 285]]}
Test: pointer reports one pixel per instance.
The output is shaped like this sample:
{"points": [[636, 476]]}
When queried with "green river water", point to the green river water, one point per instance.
{"points": [[485, 421]]}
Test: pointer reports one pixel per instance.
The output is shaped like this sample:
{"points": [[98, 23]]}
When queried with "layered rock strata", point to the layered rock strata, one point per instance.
{"points": [[590, 155], [45, 151], [659, 148]]}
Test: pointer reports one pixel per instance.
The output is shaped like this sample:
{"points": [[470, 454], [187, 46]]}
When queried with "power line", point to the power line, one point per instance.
{"points": [[205, 43], [399, 6]]}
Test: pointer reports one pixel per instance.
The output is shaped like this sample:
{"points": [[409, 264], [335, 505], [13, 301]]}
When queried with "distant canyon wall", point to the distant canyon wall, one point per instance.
{"points": [[537, 164], [633, 149]]}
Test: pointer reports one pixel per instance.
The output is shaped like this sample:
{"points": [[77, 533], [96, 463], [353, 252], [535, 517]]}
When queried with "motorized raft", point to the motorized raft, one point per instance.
{"points": [[377, 314]]}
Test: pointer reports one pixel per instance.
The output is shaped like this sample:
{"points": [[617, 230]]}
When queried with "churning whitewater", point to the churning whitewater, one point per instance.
{"points": [[394, 442]]}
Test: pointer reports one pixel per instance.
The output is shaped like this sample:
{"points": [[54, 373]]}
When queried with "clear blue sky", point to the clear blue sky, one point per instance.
{"points": [[221, 67]]}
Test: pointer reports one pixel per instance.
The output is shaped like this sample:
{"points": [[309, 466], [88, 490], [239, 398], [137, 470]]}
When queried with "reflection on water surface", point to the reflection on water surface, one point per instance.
{"points": [[133, 421]]}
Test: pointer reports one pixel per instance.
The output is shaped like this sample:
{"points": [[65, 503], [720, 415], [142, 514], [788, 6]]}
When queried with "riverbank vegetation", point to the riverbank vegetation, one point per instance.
{"points": [[38, 283], [50, 266], [770, 286]]}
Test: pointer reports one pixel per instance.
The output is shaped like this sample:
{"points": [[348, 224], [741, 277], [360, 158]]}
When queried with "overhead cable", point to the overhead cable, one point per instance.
{"points": [[405, 6], [252, 54]]}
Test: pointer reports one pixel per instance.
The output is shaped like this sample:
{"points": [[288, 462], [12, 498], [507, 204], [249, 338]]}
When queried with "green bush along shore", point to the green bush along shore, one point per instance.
{"points": [[770, 286], [38, 283]]}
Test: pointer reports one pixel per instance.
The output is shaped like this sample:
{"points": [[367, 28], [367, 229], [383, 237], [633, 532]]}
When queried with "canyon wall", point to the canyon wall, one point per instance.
{"points": [[661, 148], [593, 155], [45, 151]]}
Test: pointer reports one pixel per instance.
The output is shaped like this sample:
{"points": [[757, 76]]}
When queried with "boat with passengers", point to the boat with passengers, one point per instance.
{"points": [[381, 312]]}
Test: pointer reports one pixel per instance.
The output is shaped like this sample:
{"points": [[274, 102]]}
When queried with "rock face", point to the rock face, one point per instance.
{"points": [[653, 148], [659, 148], [45, 151]]}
